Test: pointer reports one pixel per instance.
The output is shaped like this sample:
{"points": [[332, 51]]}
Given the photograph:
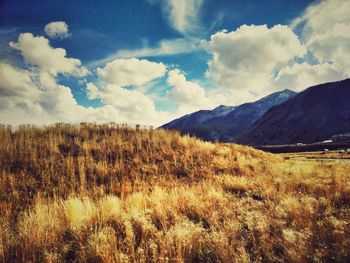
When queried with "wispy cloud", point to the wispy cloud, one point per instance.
{"points": [[5, 30], [164, 48], [184, 15]]}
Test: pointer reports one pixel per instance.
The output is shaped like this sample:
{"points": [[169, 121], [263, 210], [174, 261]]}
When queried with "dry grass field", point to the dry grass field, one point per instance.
{"points": [[106, 194]]}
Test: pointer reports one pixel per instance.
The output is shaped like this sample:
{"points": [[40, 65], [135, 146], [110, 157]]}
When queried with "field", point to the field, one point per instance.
{"points": [[337, 156], [302, 148], [96, 193]]}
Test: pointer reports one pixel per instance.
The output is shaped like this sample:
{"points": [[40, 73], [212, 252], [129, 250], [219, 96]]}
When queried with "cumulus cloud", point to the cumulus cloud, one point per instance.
{"points": [[246, 59], [34, 97], [326, 32], [57, 29], [323, 16], [127, 72], [15, 82], [256, 60], [37, 51], [300, 76], [183, 14], [17, 89], [189, 95], [332, 47], [34, 94], [132, 105], [121, 98]]}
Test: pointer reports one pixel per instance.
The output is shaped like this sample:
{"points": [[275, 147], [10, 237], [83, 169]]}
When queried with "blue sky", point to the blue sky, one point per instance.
{"points": [[149, 61]]}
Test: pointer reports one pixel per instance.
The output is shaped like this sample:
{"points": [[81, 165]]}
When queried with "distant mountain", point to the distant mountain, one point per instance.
{"points": [[197, 117], [225, 122], [313, 115]]}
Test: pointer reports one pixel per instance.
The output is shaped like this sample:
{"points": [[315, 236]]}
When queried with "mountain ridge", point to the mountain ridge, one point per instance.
{"points": [[214, 126], [313, 115]]}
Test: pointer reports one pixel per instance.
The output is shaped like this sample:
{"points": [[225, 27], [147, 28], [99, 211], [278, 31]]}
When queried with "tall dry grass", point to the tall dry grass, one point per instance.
{"points": [[106, 194]]}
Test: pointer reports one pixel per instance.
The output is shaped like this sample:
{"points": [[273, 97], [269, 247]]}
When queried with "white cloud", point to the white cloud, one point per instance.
{"points": [[322, 16], [256, 60], [121, 98], [17, 89], [127, 72], [189, 95], [326, 32], [300, 76], [35, 97], [183, 14], [15, 82], [37, 51], [164, 48], [57, 29], [130, 101], [132, 105], [332, 46], [244, 61]]}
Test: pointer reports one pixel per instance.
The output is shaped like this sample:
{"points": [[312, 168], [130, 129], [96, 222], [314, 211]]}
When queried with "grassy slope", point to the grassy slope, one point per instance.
{"points": [[101, 194]]}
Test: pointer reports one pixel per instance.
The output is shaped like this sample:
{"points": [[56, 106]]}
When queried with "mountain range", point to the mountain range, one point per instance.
{"points": [[198, 117], [313, 115], [225, 122], [284, 117]]}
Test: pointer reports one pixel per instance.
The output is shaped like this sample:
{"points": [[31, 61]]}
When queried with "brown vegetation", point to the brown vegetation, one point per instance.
{"points": [[104, 194]]}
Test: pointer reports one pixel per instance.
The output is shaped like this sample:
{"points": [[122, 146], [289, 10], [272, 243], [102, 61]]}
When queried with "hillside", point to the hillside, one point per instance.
{"points": [[96, 193], [225, 126], [313, 115]]}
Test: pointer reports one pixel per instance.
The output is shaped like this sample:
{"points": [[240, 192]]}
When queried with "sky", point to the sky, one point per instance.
{"points": [[150, 61]]}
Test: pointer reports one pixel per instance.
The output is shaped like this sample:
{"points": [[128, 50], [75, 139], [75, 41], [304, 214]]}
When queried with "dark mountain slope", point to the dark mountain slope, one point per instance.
{"points": [[223, 127], [313, 115], [244, 115]]}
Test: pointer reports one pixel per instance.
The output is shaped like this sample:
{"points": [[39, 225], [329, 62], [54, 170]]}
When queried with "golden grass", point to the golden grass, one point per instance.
{"points": [[106, 194]]}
